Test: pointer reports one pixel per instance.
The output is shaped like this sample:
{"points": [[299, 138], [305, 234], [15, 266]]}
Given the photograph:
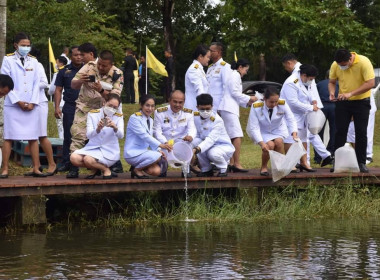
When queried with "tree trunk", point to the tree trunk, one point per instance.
{"points": [[167, 12], [263, 68], [3, 28]]}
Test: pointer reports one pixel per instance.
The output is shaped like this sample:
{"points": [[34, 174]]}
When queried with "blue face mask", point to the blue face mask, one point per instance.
{"points": [[23, 51]]}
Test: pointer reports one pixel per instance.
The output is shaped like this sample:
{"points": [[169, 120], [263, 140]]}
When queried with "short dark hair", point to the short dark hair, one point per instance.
{"points": [[144, 98], [271, 91], [20, 36], [241, 62], [200, 50], [62, 59], [219, 45], [309, 70], [204, 99], [6, 81], [106, 55], [72, 48], [342, 55], [114, 96], [128, 50], [87, 48], [288, 57]]}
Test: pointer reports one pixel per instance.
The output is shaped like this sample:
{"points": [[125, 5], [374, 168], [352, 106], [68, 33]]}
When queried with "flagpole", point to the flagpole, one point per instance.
{"points": [[146, 69], [49, 63]]}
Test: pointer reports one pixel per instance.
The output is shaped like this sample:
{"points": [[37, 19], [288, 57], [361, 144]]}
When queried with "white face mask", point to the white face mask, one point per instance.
{"points": [[345, 67], [205, 113], [308, 83], [109, 111], [23, 51]]}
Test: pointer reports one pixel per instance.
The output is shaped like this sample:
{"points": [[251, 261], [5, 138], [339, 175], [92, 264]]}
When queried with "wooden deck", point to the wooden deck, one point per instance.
{"points": [[19, 186]]}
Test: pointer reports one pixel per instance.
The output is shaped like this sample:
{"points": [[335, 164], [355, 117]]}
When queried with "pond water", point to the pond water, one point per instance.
{"points": [[321, 249]]}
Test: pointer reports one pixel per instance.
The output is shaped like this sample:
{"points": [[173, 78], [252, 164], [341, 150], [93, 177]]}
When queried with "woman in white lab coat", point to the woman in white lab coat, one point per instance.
{"points": [[105, 127], [270, 122], [195, 79], [229, 109]]}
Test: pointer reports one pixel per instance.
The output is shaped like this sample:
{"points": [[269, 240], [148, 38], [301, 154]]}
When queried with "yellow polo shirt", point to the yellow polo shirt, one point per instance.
{"points": [[352, 78]]}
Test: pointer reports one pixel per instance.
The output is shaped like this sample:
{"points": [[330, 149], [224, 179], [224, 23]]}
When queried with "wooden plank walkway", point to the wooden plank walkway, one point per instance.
{"points": [[18, 186]]}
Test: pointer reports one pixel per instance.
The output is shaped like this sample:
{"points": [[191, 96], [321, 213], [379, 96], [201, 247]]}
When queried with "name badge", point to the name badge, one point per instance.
{"points": [[29, 69], [183, 120], [280, 113], [217, 71], [166, 120]]}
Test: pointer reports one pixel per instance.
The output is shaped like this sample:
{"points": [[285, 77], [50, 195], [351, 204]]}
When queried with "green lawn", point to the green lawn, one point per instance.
{"points": [[250, 155]]}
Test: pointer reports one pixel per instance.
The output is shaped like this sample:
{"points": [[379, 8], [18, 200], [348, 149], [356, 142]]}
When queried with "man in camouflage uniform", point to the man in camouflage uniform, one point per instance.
{"points": [[92, 95]]}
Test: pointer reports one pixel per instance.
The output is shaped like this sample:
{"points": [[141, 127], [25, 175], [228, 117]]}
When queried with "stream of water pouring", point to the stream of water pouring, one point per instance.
{"points": [[185, 170]]}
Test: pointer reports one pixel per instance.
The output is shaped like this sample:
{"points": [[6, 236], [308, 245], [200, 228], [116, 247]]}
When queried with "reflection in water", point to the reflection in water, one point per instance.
{"points": [[324, 249]]}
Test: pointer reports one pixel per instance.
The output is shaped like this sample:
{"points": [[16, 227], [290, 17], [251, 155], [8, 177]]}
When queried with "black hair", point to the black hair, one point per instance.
{"points": [[6, 81], [342, 55], [106, 55], [87, 48], [35, 52], [241, 62], [219, 45], [309, 70], [144, 98], [204, 99], [200, 50], [62, 59], [271, 91], [128, 50], [72, 48], [20, 36], [114, 96], [288, 57]]}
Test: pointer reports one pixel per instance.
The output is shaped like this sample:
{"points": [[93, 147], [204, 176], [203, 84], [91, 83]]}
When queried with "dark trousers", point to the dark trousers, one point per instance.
{"points": [[329, 111], [129, 84], [68, 111], [142, 86], [359, 110]]}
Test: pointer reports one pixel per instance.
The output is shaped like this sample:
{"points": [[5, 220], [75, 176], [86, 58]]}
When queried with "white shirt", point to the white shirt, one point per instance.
{"points": [[195, 84], [218, 74]]}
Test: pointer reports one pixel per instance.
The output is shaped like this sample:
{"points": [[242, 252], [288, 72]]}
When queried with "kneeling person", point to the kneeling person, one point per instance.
{"points": [[212, 143], [104, 127]]}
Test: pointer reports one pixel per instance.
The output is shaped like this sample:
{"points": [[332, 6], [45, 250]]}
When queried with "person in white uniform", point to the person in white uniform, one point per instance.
{"points": [[174, 121], [21, 115], [218, 74], [291, 65], [370, 130], [195, 79], [230, 112], [298, 95], [212, 143], [105, 126], [270, 122], [141, 150]]}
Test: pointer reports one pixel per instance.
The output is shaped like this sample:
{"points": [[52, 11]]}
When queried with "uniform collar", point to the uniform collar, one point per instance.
{"points": [[19, 55], [71, 66], [172, 113], [219, 61]]}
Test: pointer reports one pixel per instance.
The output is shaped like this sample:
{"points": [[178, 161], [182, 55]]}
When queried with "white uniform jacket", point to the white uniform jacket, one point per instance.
{"points": [[169, 125], [139, 137], [43, 83], [233, 96], [217, 75], [261, 128], [298, 97], [195, 84], [211, 132], [25, 77], [107, 139]]}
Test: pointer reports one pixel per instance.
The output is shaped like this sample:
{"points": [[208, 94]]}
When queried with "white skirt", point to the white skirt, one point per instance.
{"points": [[97, 154], [21, 125], [232, 124], [145, 159], [44, 111]]}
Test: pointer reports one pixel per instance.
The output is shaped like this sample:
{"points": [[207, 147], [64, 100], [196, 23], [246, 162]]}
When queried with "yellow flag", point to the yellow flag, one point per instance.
{"points": [[51, 57], [235, 57], [153, 63]]}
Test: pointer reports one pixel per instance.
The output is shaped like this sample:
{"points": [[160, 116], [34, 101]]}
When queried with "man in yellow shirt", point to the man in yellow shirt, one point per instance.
{"points": [[356, 78]]}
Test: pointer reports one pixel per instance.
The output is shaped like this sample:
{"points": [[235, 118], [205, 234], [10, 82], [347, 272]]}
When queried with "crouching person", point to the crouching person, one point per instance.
{"points": [[212, 143], [105, 127]]}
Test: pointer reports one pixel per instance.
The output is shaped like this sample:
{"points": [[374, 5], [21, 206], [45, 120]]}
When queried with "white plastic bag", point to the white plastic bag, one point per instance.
{"points": [[315, 121], [282, 165], [345, 160], [180, 155]]}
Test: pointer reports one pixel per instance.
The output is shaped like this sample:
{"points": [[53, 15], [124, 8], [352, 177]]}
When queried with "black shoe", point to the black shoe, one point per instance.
{"points": [[327, 161], [92, 176], [192, 169], [265, 173], [31, 172], [133, 175], [209, 173], [72, 174], [65, 167], [52, 173], [107, 177], [114, 174], [363, 168], [222, 174], [302, 168], [39, 175], [117, 167], [188, 175], [162, 175], [234, 169], [3, 176]]}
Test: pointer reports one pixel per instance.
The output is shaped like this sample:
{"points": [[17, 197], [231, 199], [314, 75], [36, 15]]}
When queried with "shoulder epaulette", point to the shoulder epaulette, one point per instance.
{"points": [[162, 109], [196, 66], [95, 111], [31, 55], [118, 114], [138, 114], [258, 104], [295, 81], [212, 119], [187, 110], [281, 102], [62, 67], [210, 65], [196, 114], [223, 63], [10, 54]]}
